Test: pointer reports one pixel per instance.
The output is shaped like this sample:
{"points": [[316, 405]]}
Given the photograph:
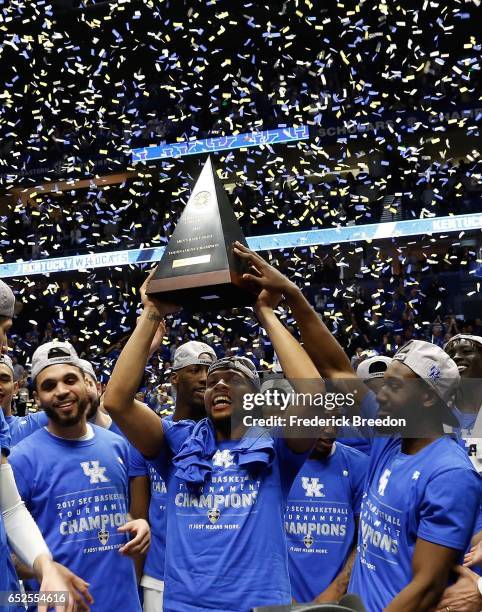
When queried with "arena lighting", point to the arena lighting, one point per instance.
{"points": [[220, 143], [289, 240]]}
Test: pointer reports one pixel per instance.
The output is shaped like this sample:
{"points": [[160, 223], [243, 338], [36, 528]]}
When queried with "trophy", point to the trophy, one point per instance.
{"points": [[198, 269]]}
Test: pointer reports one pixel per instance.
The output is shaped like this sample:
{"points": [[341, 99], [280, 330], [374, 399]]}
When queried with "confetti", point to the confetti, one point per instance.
{"points": [[392, 99]]}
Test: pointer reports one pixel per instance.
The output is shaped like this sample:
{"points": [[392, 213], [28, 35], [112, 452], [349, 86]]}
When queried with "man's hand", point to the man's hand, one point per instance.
{"points": [[54, 577], [474, 556], [141, 540], [150, 303], [463, 596], [265, 276], [267, 301]]}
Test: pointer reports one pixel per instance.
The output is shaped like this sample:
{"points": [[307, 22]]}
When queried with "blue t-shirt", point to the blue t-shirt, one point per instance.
{"points": [[320, 519], [360, 437], [77, 492], [433, 495], [472, 447], [135, 457], [116, 429], [5, 438], [154, 564], [351, 436], [21, 427], [225, 543]]}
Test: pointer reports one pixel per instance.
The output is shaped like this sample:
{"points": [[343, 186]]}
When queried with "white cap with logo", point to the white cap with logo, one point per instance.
{"points": [[430, 362], [193, 353], [373, 367], [53, 353]]}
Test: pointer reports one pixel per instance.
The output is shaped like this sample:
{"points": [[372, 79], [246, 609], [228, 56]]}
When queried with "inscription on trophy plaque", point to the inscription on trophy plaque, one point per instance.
{"points": [[198, 269]]}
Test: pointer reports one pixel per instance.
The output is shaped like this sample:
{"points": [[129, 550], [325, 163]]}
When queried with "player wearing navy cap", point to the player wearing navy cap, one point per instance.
{"points": [[190, 366], [227, 488]]}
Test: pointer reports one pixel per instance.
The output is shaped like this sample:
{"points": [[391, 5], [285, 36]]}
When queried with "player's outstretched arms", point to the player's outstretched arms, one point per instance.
{"points": [[138, 422]]}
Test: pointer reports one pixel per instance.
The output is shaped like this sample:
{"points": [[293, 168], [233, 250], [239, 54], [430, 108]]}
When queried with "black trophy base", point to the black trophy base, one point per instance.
{"points": [[205, 299], [199, 293]]}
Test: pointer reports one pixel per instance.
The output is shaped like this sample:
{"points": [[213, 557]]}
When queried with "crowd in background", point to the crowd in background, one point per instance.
{"points": [[145, 212], [379, 305], [150, 76]]}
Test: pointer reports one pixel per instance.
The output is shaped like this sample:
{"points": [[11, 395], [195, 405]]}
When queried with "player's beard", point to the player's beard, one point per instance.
{"points": [[93, 406], [70, 421]]}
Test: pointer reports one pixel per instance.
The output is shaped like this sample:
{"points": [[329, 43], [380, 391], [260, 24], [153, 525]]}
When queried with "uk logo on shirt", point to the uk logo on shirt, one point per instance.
{"points": [[94, 471], [223, 458], [312, 486]]}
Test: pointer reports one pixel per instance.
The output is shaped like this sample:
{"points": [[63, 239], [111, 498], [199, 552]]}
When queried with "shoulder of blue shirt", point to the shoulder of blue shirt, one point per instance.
{"points": [[349, 451], [450, 455], [32, 441]]}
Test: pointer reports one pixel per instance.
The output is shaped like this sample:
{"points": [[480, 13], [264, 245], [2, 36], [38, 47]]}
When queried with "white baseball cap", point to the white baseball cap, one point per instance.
{"points": [[5, 359], [53, 353], [430, 362], [7, 301], [88, 368], [193, 353], [373, 367]]}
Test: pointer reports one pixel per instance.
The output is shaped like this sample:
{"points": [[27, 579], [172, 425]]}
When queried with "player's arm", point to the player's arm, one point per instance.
{"points": [[339, 586], [27, 543], [431, 565], [297, 367], [23, 571], [323, 349], [138, 422], [140, 492], [464, 595], [332, 359], [139, 509], [294, 361]]}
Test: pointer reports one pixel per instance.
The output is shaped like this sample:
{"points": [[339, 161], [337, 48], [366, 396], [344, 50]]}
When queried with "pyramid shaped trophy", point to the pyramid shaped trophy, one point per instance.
{"points": [[198, 269]]}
